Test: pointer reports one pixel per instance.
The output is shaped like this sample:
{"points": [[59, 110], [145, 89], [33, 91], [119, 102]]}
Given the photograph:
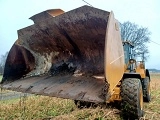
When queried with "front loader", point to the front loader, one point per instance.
{"points": [[77, 55]]}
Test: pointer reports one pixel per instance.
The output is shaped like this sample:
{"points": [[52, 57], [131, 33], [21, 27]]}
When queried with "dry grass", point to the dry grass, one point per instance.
{"points": [[45, 108], [155, 81], [34, 107], [152, 109], [41, 107]]}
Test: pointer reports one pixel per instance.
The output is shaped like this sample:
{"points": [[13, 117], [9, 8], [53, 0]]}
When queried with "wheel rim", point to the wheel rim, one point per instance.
{"points": [[141, 99]]}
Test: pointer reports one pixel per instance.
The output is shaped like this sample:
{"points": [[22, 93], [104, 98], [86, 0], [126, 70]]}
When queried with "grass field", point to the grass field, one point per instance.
{"points": [[45, 108]]}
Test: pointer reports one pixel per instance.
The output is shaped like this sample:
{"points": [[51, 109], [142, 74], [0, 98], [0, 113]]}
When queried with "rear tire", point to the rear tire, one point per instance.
{"points": [[132, 99], [146, 90]]}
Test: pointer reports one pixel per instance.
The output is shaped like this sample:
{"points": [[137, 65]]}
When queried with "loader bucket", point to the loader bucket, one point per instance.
{"points": [[61, 55]]}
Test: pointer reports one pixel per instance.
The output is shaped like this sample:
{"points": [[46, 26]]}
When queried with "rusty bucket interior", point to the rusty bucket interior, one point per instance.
{"points": [[60, 56]]}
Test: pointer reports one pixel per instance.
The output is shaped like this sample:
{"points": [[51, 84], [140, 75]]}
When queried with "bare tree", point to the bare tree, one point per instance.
{"points": [[138, 36], [2, 62]]}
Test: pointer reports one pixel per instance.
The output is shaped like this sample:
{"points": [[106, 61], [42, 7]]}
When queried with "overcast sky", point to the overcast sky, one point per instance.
{"points": [[146, 13]]}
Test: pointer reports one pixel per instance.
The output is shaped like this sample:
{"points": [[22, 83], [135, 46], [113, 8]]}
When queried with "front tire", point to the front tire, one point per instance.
{"points": [[132, 98]]}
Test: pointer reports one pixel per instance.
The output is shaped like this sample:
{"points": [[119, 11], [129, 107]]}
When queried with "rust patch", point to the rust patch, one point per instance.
{"points": [[19, 62]]}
